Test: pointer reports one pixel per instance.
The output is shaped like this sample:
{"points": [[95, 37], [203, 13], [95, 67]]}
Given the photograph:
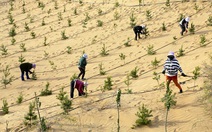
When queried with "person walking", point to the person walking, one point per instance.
{"points": [[79, 85], [139, 30], [26, 67], [82, 64], [184, 25], [170, 70]]}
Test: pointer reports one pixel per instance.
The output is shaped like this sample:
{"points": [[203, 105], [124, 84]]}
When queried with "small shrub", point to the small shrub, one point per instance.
{"points": [[143, 115], [30, 117], [196, 7], [122, 57], [99, 23], [167, 3], [21, 59], [84, 23], [13, 41], [5, 107], [87, 17], [116, 15], [53, 66], [12, 32], [132, 20], [100, 11], [101, 69], [7, 78], [44, 43], [11, 20], [44, 128], [150, 50], [209, 22], [116, 4], [202, 40], [55, 5], [127, 82], [104, 51], [175, 38], [75, 11], [69, 22], [64, 8], [156, 77], [63, 35], [43, 22], [69, 49], [41, 5], [108, 84], [26, 27], [4, 50], [34, 76], [146, 32], [49, 11], [196, 73], [20, 98], [155, 63], [148, 15], [22, 47], [134, 72], [61, 94], [60, 17], [163, 27], [74, 76], [180, 52], [81, 2], [126, 44], [46, 91], [94, 40], [66, 104], [46, 55], [33, 35], [192, 29]]}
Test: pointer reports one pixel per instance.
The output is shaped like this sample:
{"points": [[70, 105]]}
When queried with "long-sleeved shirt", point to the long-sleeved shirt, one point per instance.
{"points": [[184, 23], [82, 62], [79, 85], [171, 67], [26, 67], [138, 29]]}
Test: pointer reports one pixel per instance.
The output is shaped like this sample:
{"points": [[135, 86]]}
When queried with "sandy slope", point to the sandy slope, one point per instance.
{"points": [[98, 111]]}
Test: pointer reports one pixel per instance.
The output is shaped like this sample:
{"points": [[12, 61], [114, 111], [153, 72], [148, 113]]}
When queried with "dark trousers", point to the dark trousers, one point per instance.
{"points": [[22, 75], [183, 29], [137, 34], [82, 72], [72, 89]]}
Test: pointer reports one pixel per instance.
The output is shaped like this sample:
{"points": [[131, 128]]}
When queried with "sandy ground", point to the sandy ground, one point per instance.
{"points": [[97, 112]]}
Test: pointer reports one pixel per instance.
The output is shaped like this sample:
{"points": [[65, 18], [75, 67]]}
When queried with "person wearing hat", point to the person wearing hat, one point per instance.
{"points": [[82, 64], [79, 85], [184, 25], [139, 30], [170, 70], [26, 67]]}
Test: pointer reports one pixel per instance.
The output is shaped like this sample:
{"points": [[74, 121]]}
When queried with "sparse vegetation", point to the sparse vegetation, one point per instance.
{"points": [[202, 40], [7, 78], [192, 29], [34, 76], [169, 101], [43, 22], [155, 63], [150, 50], [148, 15], [99, 23], [143, 115], [33, 35], [116, 4], [163, 27], [100, 11], [46, 55], [101, 69], [196, 7], [127, 82], [167, 3], [196, 73], [60, 17], [108, 84], [5, 107], [46, 91], [75, 11], [126, 44], [65, 102], [134, 72], [122, 57], [53, 66], [12, 32], [132, 20], [118, 104], [55, 5], [30, 117], [22, 47], [209, 22], [69, 22], [63, 34], [104, 51], [44, 43], [180, 52], [74, 76], [21, 59], [26, 27], [10, 17], [20, 98], [13, 41], [156, 77], [146, 32], [4, 50], [116, 15]]}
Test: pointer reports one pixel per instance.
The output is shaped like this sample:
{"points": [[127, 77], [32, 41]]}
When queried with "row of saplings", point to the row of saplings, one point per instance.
{"points": [[143, 113]]}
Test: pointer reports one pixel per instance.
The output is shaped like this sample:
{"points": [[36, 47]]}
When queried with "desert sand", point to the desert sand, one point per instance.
{"points": [[97, 112]]}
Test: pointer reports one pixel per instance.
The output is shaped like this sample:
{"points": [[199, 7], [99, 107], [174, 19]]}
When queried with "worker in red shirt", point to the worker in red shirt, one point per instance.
{"points": [[79, 85]]}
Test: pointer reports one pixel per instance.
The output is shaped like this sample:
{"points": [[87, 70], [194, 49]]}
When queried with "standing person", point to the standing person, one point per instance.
{"points": [[170, 69], [139, 30], [184, 25], [26, 67], [82, 64], [79, 85]]}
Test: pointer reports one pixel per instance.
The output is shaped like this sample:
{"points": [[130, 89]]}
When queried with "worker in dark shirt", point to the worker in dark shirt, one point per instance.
{"points": [[184, 25], [26, 67], [139, 30]]}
